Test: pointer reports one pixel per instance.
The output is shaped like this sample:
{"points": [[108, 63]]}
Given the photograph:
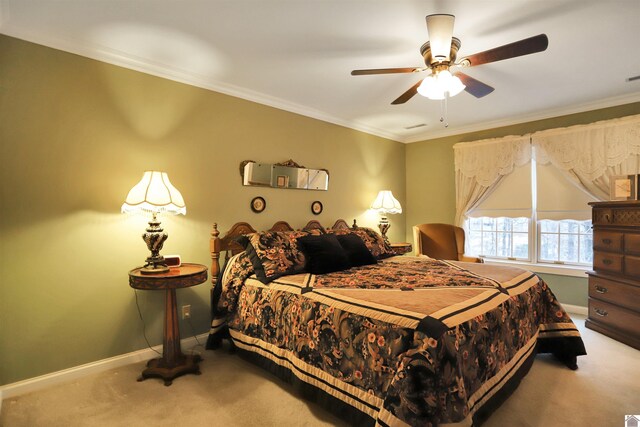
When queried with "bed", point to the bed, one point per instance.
{"points": [[396, 340]]}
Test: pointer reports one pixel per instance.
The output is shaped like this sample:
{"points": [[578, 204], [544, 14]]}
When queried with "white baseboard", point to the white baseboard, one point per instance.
{"points": [[576, 309], [47, 380]]}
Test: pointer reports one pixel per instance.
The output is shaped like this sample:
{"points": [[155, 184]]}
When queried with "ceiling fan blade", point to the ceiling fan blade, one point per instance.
{"points": [[386, 71], [440, 28], [533, 44], [408, 94], [473, 86]]}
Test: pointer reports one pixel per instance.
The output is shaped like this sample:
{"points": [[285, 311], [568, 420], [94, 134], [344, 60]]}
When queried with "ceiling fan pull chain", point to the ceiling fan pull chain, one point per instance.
{"points": [[443, 110]]}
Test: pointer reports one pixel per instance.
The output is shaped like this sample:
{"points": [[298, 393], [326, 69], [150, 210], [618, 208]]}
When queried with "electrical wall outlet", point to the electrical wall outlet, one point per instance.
{"points": [[186, 311]]}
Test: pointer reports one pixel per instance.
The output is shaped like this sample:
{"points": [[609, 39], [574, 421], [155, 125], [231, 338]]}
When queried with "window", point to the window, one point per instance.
{"points": [[534, 215], [559, 242], [565, 242], [506, 238]]}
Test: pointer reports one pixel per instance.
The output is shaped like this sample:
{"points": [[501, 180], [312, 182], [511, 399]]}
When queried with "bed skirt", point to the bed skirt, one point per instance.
{"points": [[312, 387]]}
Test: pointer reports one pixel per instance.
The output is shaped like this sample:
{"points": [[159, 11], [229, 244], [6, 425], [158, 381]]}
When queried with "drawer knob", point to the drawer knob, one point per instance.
{"points": [[607, 261], [607, 241], [600, 289], [600, 312], [607, 217]]}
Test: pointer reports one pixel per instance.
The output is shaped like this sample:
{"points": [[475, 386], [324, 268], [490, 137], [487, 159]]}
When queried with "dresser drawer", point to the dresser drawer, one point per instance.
{"points": [[615, 292], [602, 216], [616, 317], [632, 244], [632, 267], [605, 261], [607, 241]]}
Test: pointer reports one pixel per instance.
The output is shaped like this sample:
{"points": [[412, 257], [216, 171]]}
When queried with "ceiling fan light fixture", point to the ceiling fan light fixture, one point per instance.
{"points": [[437, 86], [429, 88], [440, 28], [455, 86], [441, 52]]}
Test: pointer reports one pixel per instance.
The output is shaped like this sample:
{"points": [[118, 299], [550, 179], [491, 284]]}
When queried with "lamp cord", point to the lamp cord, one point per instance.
{"points": [[193, 331], [144, 326]]}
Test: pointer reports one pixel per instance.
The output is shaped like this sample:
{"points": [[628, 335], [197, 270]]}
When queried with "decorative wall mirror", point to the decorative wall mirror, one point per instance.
{"points": [[287, 174]]}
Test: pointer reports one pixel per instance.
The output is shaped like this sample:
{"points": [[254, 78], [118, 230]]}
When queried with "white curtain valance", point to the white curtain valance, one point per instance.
{"points": [[589, 155], [487, 160], [589, 149]]}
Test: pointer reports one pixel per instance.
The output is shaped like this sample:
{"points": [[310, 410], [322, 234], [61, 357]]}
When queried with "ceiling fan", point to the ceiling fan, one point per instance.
{"points": [[440, 54]]}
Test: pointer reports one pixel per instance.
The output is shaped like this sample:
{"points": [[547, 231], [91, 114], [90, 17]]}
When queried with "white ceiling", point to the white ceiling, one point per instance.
{"points": [[297, 55]]}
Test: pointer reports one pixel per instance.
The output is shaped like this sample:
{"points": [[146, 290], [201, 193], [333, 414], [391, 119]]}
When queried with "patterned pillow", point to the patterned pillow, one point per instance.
{"points": [[274, 253], [374, 241], [235, 271]]}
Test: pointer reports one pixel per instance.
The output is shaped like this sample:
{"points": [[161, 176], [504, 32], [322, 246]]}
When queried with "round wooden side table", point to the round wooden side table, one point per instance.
{"points": [[173, 362], [401, 248]]}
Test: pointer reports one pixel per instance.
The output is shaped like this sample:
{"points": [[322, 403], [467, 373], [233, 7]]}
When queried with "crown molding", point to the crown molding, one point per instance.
{"points": [[143, 65], [539, 115]]}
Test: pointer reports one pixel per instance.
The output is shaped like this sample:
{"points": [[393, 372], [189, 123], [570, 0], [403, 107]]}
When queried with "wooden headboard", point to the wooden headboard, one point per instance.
{"points": [[227, 243]]}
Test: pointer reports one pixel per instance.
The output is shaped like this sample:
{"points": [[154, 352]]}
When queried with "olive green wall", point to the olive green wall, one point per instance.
{"points": [[77, 134], [431, 182]]}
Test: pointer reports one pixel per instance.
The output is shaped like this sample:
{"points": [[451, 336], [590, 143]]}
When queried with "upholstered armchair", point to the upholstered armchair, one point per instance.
{"points": [[441, 241]]}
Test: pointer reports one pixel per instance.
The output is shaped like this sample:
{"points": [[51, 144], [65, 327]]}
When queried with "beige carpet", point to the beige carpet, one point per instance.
{"points": [[232, 392]]}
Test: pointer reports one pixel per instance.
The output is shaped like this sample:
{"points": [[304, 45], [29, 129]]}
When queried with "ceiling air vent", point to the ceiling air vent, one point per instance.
{"points": [[415, 126]]}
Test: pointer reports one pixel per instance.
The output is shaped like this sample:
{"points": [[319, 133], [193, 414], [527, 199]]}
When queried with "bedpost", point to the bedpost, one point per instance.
{"points": [[354, 226], [214, 246]]}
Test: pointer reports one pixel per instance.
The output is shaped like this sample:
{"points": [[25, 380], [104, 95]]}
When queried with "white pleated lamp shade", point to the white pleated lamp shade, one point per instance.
{"points": [[385, 203], [154, 193]]}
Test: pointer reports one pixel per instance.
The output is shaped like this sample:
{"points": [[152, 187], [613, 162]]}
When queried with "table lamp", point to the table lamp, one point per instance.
{"points": [[154, 193], [385, 204]]}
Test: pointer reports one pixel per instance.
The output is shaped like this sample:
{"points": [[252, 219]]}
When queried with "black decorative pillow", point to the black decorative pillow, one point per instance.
{"points": [[242, 240], [324, 254], [273, 253], [356, 250], [372, 240]]}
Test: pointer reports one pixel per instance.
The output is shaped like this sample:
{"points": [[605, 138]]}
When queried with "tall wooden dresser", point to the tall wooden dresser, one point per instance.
{"points": [[614, 283]]}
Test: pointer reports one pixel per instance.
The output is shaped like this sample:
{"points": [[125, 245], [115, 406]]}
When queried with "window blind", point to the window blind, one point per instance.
{"points": [[511, 198], [558, 198]]}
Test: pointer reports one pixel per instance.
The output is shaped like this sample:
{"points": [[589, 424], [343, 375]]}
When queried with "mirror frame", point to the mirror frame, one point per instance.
{"points": [[274, 184]]}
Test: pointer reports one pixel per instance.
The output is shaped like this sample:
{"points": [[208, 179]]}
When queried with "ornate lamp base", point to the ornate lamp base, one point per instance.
{"points": [[155, 238], [154, 268], [384, 226]]}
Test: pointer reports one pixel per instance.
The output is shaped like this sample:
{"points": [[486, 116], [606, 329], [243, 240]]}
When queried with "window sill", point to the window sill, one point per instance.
{"points": [[560, 270]]}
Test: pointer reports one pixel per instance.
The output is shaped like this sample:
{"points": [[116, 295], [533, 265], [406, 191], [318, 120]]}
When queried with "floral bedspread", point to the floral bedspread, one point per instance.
{"points": [[409, 341]]}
